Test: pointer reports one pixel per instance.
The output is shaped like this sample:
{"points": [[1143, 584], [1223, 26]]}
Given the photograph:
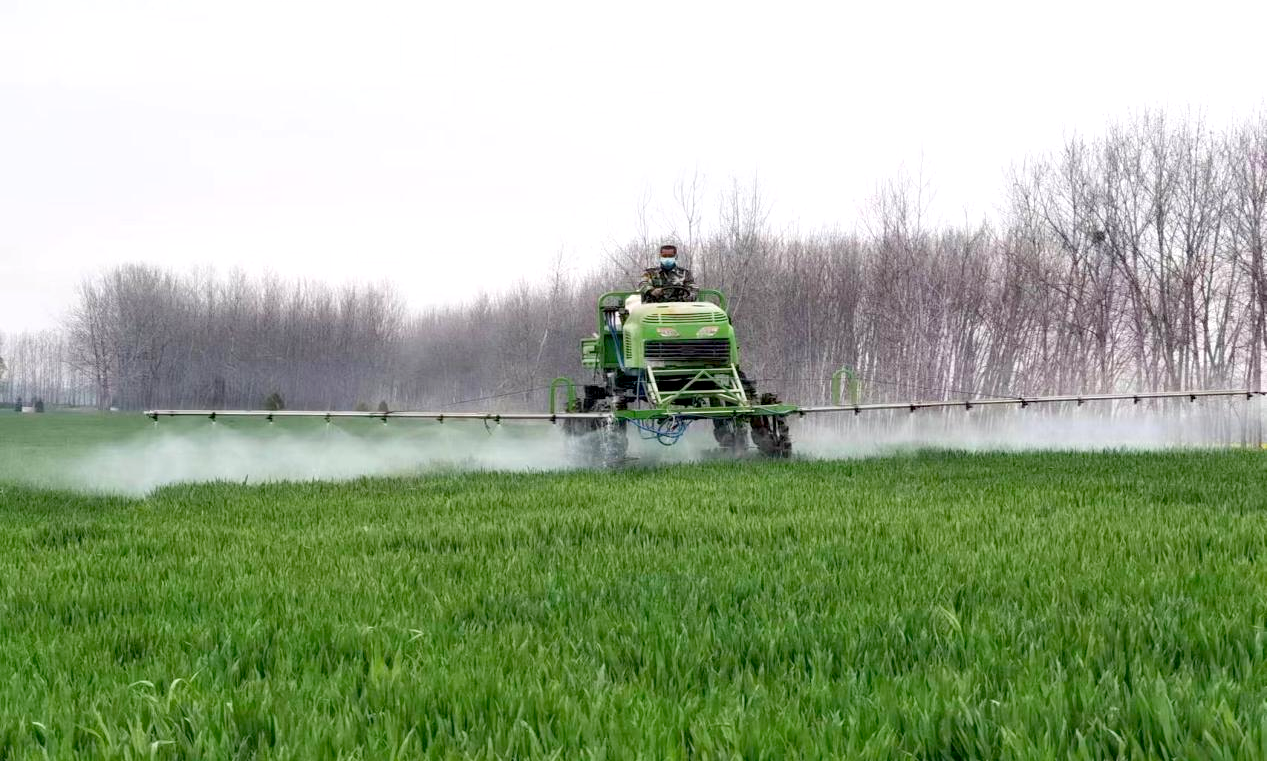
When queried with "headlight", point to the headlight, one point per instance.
{"points": [[667, 332], [707, 331]]}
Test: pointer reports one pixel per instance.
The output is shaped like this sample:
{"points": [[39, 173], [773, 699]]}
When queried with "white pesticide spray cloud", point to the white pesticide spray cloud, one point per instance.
{"points": [[254, 452], [1100, 426], [247, 451], [216, 452]]}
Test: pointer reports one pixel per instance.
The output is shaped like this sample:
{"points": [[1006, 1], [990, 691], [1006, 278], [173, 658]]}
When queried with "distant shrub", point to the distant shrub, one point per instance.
{"points": [[274, 402], [362, 407], [38, 404], [17, 406], [382, 406]]}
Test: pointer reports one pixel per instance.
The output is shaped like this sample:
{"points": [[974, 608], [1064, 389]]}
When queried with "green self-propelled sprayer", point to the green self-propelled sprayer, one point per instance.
{"points": [[664, 365], [658, 367]]}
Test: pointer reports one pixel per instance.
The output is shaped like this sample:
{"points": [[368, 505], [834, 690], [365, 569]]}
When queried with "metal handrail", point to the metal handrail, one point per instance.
{"points": [[571, 392]]}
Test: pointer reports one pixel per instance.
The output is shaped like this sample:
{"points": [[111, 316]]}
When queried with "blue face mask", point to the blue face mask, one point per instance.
{"points": [[668, 263]]}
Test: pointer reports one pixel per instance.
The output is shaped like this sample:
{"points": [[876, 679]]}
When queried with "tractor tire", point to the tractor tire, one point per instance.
{"points": [[770, 432], [731, 435], [611, 448], [584, 438]]}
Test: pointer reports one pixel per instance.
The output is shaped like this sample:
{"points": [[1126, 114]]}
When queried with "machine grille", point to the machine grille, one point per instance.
{"points": [[669, 318], [708, 349]]}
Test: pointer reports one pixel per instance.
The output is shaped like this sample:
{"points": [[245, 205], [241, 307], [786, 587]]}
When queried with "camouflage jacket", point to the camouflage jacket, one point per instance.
{"points": [[657, 277]]}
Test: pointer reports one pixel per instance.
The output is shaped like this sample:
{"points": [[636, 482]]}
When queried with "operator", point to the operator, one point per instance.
{"points": [[667, 282]]}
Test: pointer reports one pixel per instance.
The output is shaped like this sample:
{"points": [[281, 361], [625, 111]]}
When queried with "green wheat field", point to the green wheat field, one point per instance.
{"points": [[926, 605]]}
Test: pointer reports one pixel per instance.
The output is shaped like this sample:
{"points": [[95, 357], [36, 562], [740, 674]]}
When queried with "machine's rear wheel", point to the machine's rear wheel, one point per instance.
{"points": [[583, 403], [731, 435], [596, 443], [612, 446]]}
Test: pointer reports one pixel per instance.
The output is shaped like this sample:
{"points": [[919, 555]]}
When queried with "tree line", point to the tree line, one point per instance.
{"points": [[1128, 260], [141, 337]]}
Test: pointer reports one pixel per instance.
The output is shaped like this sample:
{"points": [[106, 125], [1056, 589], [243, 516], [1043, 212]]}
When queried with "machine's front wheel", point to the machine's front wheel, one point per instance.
{"points": [[770, 432]]}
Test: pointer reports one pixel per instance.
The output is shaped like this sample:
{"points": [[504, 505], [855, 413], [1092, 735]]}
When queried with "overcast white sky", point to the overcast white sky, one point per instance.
{"points": [[453, 147]]}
